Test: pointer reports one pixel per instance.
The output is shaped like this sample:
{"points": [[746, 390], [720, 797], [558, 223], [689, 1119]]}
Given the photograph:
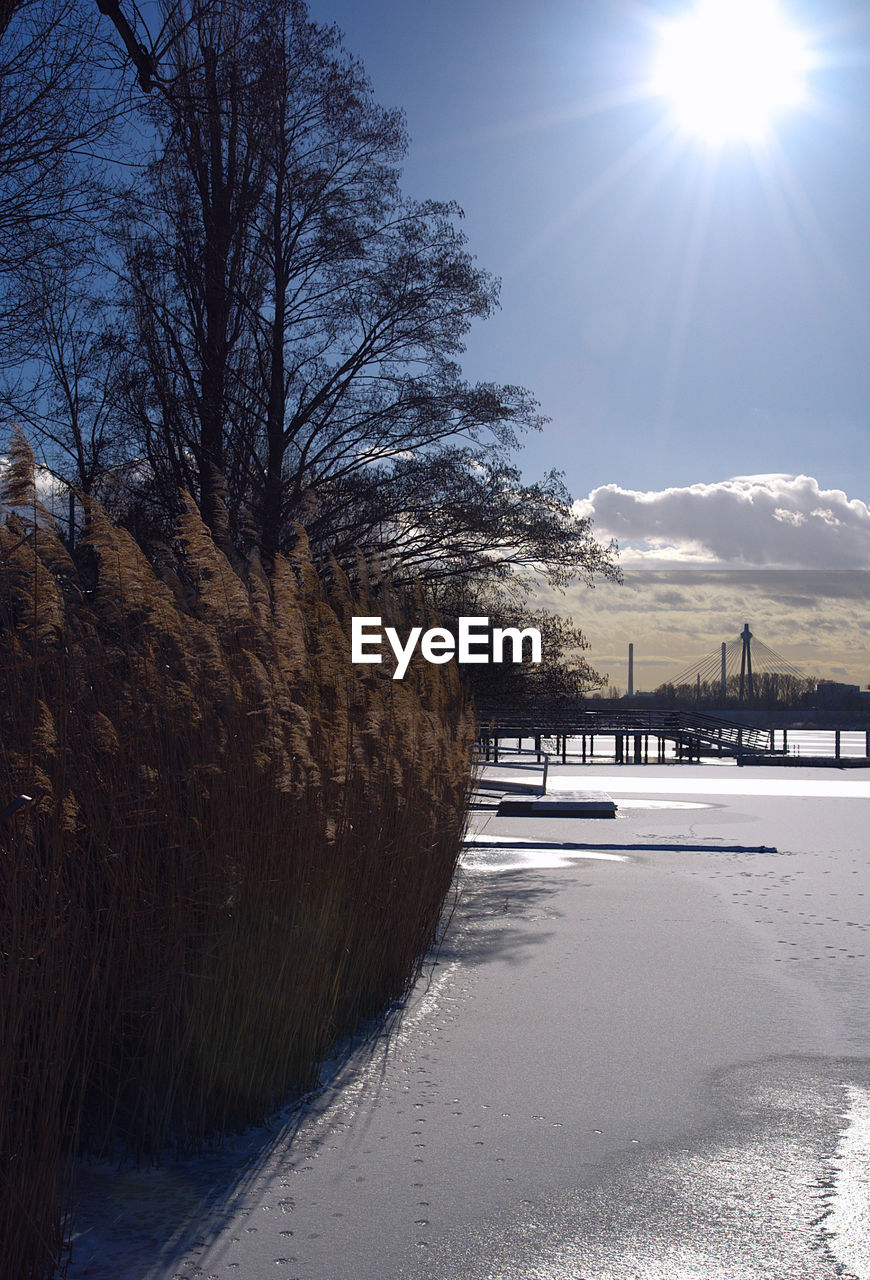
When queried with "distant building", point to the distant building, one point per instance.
{"points": [[829, 692]]}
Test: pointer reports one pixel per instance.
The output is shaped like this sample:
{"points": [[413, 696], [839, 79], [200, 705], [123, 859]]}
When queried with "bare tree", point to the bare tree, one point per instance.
{"points": [[51, 120], [300, 319], [72, 405], [369, 297], [192, 278], [296, 323], [332, 191]]}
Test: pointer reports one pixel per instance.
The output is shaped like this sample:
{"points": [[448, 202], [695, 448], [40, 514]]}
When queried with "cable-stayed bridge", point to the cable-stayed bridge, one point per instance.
{"points": [[740, 661]]}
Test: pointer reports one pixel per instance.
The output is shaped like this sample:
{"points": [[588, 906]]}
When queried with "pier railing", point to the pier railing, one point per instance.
{"points": [[693, 733]]}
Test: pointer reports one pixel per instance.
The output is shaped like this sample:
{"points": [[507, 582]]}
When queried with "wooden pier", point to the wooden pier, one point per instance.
{"points": [[642, 737]]}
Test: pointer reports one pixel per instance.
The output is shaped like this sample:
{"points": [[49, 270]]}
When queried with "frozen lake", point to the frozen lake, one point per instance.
{"points": [[643, 1052]]}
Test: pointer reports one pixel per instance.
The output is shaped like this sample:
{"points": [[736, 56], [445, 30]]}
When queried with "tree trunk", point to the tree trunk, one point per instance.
{"points": [[274, 488], [216, 227]]}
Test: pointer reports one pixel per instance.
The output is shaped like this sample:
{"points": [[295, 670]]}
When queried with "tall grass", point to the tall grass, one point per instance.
{"points": [[237, 843]]}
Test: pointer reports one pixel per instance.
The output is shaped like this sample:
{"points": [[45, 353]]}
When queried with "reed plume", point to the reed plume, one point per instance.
{"points": [[236, 843]]}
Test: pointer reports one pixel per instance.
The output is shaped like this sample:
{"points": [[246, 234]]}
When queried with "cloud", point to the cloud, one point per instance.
{"points": [[762, 521]]}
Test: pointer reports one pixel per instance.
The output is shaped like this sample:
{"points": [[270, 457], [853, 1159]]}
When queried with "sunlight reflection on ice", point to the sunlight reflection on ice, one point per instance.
{"points": [[511, 853], [846, 1224], [635, 803]]}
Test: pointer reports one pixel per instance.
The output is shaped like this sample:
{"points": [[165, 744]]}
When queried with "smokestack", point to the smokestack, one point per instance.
{"points": [[631, 670]]}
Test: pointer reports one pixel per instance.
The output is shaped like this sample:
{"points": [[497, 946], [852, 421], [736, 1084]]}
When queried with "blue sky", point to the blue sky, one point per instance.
{"points": [[681, 316], [685, 315]]}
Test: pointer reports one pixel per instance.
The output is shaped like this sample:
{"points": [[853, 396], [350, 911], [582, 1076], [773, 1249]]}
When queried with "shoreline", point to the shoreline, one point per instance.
{"points": [[592, 1029]]}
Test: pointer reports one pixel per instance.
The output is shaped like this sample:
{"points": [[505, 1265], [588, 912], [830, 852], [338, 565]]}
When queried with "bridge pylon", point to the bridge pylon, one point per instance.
{"points": [[746, 684]]}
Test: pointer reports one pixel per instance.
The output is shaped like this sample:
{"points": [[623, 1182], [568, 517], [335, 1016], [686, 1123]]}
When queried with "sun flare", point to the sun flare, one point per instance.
{"points": [[730, 67]]}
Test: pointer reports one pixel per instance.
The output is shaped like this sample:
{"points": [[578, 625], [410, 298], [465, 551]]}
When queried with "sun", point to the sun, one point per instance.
{"points": [[729, 68]]}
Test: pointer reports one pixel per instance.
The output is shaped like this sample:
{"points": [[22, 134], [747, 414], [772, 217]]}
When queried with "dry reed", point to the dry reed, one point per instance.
{"points": [[237, 844]]}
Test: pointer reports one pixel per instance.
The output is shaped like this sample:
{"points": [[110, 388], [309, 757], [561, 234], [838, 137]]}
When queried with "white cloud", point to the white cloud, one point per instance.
{"points": [[763, 521]]}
